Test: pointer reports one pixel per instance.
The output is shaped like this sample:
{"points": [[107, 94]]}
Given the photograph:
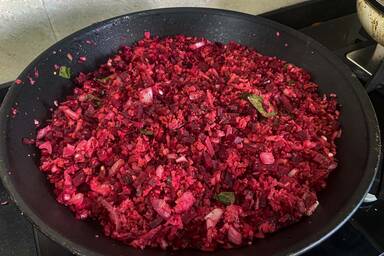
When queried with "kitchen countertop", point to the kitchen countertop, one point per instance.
{"points": [[28, 27]]}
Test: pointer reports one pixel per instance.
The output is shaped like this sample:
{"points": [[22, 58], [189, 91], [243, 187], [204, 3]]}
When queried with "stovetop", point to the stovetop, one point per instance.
{"points": [[335, 25]]}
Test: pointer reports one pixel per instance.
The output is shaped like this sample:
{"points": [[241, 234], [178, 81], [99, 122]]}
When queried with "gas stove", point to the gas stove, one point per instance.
{"points": [[335, 25]]}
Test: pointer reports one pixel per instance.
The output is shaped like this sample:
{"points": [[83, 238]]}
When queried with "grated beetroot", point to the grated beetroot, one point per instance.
{"points": [[183, 142]]}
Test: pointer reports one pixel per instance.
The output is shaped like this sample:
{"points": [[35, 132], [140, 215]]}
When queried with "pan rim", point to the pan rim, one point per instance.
{"points": [[372, 163]]}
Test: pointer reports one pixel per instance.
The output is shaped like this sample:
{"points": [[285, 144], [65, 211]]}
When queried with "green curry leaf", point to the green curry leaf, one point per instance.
{"points": [[226, 198], [257, 103], [65, 72], [146, 132]]}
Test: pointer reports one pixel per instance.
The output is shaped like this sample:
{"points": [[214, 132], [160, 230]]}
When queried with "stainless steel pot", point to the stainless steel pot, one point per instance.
{"points": [[371, 15]]}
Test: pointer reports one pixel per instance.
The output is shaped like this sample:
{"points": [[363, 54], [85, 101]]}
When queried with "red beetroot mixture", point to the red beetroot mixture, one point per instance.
{"points": [[182, 142]]}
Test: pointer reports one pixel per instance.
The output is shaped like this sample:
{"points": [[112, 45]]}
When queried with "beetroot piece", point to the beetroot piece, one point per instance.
{"points": [[267, 158], [185, 143]]}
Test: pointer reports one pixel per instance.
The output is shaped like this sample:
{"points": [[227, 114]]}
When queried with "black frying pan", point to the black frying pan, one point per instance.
{"points": [[358, 149]]}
